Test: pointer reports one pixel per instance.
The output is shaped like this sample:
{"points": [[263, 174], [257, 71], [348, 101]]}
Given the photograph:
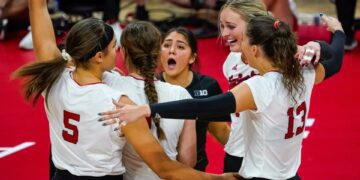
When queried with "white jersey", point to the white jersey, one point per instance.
{"points": [[236, 71], [273, 133], [135, 167], [79, 143]]}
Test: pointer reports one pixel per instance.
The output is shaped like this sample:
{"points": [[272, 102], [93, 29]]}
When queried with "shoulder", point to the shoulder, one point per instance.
{"points": [[170, 91], [309, 74], [165, 86], [205, 79], [112, 78], [265, 84], [232, 59]]}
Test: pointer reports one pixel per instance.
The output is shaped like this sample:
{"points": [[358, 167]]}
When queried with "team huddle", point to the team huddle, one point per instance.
{"points": [[145, 125]]}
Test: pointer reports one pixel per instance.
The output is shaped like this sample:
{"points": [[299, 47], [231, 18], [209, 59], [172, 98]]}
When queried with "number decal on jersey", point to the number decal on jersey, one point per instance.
{"points": [[300, 109], [73, 138]]}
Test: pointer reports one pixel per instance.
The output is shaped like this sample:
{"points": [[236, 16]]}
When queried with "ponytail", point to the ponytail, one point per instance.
{"points": [[148, 71], [279, 44], [141, 42], [40, 77]]}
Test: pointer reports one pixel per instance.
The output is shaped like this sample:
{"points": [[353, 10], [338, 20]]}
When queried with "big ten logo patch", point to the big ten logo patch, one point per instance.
{"points": [[199, 93]]}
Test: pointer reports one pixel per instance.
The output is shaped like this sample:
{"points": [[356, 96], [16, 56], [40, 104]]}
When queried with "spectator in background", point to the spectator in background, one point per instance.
{"points": [[281, 9], [141, 13], [11, 10], [110, 9], [346, 14]]}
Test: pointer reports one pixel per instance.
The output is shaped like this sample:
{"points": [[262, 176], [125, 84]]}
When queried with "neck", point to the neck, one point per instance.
{"points": [[183, 79], [266, 67], [82, 76], [136, 75]]}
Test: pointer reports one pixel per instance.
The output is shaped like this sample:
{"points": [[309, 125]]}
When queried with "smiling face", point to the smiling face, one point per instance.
{"points": [[232, 26], [176, 54]]}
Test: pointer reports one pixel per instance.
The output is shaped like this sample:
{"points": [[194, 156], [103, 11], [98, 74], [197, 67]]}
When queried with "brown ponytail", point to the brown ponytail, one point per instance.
{"points": [[40, 77], [279, 44], [141, 43], [84, 39]]}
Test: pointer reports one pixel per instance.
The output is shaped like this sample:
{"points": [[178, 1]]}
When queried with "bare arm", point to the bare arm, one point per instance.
{"points": [[220, 130], [42, 31], [154, 156], [187, 144], [243, 97]]}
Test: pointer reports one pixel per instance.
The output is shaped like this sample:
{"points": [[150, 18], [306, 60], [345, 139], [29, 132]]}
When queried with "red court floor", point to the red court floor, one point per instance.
{"points": [[330, 151]]}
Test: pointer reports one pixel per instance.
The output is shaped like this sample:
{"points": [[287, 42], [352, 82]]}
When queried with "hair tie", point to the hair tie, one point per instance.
{"points": [[66, 56], [276, 24]]}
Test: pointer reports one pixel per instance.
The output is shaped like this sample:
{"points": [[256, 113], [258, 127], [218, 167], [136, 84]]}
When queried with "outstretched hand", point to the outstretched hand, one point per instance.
{"points": [[124, 113], [332, 23]]}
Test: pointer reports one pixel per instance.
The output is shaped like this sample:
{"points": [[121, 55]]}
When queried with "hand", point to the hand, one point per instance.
{"points": [[231, 176], [307, 52], [332, 23], [124, 113]]}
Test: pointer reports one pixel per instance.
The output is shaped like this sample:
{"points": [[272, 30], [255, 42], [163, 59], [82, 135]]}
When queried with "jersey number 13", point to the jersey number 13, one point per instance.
{"points": [[300, 109]]}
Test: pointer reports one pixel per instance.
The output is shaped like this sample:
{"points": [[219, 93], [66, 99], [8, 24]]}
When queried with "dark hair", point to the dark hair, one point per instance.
{"points": [[279, 44], [190, 38], [89, 34], [141, 42]]}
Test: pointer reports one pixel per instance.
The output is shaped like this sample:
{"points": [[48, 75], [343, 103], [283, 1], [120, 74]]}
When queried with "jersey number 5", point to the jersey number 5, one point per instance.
{"points": [[290, 112], [73, 138]]}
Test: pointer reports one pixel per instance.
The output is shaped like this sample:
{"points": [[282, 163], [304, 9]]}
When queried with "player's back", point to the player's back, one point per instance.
{"points": [[273, 133], [80, 144], [134, 88]]}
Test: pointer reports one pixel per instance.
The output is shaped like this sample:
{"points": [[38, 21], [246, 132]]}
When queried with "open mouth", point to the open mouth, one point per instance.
{"points": [[232, 42], [171, 63]]}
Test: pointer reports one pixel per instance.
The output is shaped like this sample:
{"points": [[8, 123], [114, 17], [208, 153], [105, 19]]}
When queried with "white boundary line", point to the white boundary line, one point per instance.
{"points": [[8, 151]]}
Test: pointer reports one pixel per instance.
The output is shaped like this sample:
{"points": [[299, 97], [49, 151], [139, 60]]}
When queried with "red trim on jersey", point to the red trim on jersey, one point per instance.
{"points": [[89, 83], [140, 78]]}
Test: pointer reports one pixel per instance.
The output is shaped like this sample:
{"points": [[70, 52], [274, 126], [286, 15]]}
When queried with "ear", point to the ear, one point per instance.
{"points": [[256, 51], [193, 58], [99, 57]]}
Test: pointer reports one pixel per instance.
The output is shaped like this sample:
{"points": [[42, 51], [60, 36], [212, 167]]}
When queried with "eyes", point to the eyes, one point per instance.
{"points": [[178, 46], [228, 26]]}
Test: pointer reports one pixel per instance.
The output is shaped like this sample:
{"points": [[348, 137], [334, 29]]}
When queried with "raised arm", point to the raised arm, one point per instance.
{"points": [[331, 65], [187, 144], [42, 31]]}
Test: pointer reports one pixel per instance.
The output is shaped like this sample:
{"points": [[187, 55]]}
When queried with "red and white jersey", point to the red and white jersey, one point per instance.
{"points": [[273, 133], [135, 167], [236, 71], [79, 143]]}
